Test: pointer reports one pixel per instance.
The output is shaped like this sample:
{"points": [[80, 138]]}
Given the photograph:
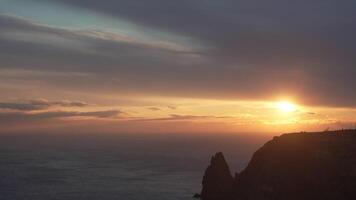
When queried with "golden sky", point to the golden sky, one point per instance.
{"points": [[171, 115]]}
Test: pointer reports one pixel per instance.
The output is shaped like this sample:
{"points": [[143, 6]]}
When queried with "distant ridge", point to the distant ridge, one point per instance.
{"points": [[295, 166]]}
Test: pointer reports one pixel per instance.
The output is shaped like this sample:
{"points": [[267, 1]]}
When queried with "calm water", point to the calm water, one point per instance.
{"points": [[108, 167]]}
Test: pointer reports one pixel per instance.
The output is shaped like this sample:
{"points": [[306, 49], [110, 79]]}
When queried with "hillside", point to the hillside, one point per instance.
{"points": [[289, 167]]}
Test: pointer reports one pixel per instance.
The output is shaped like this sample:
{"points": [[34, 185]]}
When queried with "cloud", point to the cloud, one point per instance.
{"points": [[176, 117], [246, 50], [20, 117], [154, 108], [63, 103], [39, 110], [172, 107], [39, 104], [21, 106], [273, 32]]}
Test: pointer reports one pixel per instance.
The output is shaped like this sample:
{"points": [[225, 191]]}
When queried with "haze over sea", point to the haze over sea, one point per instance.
{"points": [[114, 166]]}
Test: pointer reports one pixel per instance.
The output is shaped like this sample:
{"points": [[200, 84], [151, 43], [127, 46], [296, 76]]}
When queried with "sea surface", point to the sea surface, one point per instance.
{"points": [[114, 166]]}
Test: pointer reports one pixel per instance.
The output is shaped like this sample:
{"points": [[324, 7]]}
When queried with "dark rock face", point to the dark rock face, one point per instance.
{"points": [[217, 180], [308, 166]]}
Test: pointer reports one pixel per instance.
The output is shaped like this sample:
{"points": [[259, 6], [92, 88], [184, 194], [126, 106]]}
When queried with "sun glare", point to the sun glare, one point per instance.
{"points": [[286, 106]]}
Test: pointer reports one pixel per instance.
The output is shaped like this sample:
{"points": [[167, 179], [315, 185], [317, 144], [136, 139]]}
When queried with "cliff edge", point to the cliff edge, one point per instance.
{"points": [[308, 166]]}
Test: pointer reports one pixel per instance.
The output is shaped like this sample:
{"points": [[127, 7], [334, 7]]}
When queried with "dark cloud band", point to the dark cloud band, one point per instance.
{"points": [[23, 117], [39, 104]]}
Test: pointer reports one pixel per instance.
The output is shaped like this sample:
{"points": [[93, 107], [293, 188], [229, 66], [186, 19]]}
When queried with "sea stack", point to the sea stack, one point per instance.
{"points": [[217, 180]]}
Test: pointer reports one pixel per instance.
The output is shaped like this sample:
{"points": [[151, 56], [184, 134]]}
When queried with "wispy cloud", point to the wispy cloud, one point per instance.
{"points": [[172, 107], [154, 108], [20, 117], [39, 104], [176, 117]]}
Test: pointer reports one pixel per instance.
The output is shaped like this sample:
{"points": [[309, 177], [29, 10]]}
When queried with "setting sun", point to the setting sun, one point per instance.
{"points": [[286, 106]]}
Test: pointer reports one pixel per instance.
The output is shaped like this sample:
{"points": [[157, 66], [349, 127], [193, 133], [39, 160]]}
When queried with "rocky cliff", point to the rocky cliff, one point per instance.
{"points": [[297, 166], [217, 180]]}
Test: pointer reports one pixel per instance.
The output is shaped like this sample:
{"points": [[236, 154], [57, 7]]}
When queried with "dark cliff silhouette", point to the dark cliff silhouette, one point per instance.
{"points": [[217, 180], [308, 166]]}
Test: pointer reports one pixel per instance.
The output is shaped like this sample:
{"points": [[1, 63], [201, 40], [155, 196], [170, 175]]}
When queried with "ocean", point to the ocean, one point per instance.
{"points": [[114, 166]]}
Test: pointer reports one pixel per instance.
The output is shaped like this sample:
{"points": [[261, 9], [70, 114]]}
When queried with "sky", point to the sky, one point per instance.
{"points": [[177, 66]]}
